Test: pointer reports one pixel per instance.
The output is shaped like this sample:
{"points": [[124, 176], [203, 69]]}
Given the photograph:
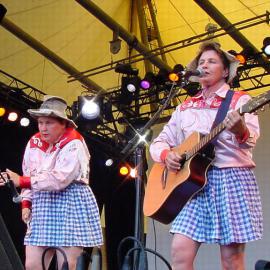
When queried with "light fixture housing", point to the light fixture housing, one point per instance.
{"points": [[266, 46]]}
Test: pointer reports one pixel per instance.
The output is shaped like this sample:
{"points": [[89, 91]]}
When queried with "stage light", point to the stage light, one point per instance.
{"points": [[126, 69], [133, 172], [2, 111], [133, 84], [148, 80], [88, 107], [175, 75], [12, 116], [124, 170], [246, 54], [24, 122], [266, 46], [109, 162], [130, 87]]}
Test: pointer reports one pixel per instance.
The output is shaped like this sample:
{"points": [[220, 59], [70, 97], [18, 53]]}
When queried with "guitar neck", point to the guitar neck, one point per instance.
{"points": [[205, 140]]}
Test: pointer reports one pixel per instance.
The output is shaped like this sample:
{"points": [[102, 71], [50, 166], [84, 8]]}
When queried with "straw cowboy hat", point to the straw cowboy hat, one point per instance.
{"points": [[233, 62], [52, 106]]}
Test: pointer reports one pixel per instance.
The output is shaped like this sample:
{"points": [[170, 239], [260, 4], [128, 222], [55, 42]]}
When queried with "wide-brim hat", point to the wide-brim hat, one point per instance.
{"points": [[216, 46], [52, 106]]}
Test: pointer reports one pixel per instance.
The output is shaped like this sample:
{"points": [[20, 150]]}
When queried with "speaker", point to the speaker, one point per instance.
{"points": [[9, 258]]}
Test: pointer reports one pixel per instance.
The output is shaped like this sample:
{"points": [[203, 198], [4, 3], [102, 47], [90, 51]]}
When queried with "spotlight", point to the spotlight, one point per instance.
{"points": [[129, 89], [124, 170], [88, 107], [115, 44], [133, 172], [24, 122], [12, 116], [246, 54], [126, 69], [2, 111], [176, 73], [148, 80], [109, 162], [133, 84], [266, 46]]}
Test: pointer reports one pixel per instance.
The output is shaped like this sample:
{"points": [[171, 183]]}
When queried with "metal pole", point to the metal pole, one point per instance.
{"points": [[154, 21], [38, 46]]}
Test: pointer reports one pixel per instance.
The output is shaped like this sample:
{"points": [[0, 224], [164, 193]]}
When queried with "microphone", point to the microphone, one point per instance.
{"points": [[16, 197], [197, 72]]}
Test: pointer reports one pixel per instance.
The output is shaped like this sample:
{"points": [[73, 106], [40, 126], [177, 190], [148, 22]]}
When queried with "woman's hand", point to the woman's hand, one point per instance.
{"points": [[26, 215], [173, 161], [236, 124]]}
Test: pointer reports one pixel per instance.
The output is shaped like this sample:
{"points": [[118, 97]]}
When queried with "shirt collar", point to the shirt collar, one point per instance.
{"points": [[221, 92]]}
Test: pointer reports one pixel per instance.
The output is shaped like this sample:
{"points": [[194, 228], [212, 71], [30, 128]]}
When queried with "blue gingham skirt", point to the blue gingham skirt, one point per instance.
{"points": [[69, 217], [228, 209]]}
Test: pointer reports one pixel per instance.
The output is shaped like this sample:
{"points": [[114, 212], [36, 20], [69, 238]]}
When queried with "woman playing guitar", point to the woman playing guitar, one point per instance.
{"points": [[227, 210]]}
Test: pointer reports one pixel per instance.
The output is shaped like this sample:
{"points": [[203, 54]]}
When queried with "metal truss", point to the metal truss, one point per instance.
{"points": [[264, 18]]}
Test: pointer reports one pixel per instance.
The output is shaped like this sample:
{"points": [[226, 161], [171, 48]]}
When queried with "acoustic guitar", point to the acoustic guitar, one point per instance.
{"points": [[167, 192]]}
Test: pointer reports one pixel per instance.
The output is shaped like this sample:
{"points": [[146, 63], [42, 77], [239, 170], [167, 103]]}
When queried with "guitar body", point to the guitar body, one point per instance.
{"points": [[165, 198]]}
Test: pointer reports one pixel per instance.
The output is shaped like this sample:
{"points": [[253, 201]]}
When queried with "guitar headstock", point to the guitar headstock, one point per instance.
{"points": [[255, 103]]}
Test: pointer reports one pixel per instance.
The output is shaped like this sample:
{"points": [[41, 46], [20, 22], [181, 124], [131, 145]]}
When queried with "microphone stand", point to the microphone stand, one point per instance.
{"points": [[138, 149]]}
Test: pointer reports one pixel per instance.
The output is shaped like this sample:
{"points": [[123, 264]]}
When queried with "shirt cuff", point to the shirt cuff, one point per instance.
{"points": [[243, 138], [163, 154], [25, 182], [26, 204]]}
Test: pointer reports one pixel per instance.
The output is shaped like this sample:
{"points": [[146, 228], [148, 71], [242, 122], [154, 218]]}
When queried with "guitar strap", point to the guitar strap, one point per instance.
{"points": [[222, 111]]}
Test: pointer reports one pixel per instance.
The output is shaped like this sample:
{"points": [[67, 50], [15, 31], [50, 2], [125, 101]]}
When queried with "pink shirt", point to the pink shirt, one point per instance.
{"points": [[198, 114], [54, 167]]}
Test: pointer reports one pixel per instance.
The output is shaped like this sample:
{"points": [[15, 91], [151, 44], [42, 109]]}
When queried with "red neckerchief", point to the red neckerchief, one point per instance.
{"points": [[70, 135]]}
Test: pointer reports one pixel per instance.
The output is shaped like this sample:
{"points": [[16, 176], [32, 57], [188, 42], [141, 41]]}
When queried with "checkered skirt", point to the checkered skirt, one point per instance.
{"points": [[227, 210], [69, 217]]}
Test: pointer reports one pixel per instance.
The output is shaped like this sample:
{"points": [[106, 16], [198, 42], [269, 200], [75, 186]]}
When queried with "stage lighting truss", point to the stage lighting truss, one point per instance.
{"points": [[219, 32]]}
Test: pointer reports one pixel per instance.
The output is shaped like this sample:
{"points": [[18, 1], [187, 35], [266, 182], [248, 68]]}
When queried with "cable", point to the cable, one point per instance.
{"points": [[65, 263], [160, 256], [143, 264], [126, 263]]}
